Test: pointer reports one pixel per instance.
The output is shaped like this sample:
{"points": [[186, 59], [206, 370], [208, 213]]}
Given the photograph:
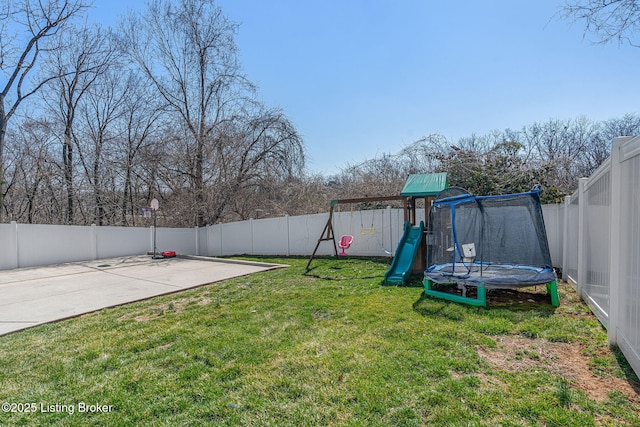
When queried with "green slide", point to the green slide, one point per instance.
{"points": [[400, 269]]}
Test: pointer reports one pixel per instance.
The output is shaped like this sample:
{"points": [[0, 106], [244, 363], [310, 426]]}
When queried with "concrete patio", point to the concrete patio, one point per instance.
{"points": [[34, 296]]}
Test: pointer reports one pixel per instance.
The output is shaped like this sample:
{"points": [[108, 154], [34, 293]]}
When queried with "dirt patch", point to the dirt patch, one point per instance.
{"points": [[563, 359]]}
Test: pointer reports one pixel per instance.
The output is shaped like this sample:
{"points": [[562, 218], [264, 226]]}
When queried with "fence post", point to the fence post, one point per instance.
{"points": [[251, 228], [616, 261], [288, 237], [390, 232], [15, 261], [94, 242], [221, 226], [197, 241], [559, 231], [210, 240], [581, 230], [565, 237]]}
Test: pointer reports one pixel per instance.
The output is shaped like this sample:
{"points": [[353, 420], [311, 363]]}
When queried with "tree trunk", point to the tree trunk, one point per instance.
{"points": [[3, 132], [67, 154], [125, 198], [199, 184]]}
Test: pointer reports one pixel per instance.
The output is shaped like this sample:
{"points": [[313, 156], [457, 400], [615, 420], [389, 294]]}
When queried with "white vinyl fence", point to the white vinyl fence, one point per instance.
{"points": [[30, 245], [376, 233], [594, 237], [598, 229]]}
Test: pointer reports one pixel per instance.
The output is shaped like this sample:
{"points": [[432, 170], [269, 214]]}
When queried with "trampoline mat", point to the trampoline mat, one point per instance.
{"points": [[491, 275]]}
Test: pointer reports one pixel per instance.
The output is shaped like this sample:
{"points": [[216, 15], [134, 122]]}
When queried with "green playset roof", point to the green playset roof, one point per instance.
{"points": [[425, 184]]}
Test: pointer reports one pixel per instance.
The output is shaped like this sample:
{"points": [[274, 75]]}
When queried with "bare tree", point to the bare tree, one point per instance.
{"points": [[385, 174], [187, 50], [30, 147], [139, 125], [628, 125], [277, 196], [27, 31], [221, 141], [102, 107], [86, 54], [254, 150], [608, 19], [600, 144]]}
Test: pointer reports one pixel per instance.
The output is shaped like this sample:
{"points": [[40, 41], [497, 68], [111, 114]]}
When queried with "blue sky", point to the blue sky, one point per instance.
{"points": [[361, 78]]}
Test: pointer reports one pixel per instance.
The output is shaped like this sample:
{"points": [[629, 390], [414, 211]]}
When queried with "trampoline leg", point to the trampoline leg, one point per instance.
{"points": [[479, 301], [552, 289], [482, 296]]}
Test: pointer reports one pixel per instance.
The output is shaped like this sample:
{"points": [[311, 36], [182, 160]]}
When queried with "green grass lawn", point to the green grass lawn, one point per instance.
{"points": [[331, 347]]}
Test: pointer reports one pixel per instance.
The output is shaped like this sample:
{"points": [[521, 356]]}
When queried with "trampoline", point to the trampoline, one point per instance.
{"points": [[487, 242]]}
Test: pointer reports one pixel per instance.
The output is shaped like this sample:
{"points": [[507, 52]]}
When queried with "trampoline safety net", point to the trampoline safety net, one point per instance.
{"points": [[499, 241]]}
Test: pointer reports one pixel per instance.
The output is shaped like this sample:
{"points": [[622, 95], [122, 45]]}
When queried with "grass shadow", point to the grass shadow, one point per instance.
{"points": [[629, 373], [343, 268], [415, 281]]}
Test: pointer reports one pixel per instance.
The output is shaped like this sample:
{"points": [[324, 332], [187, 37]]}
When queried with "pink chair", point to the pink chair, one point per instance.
{"points": [[345, 242]]}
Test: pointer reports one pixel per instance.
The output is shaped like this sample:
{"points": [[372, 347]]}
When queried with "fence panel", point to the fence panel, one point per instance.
{"points": [[8, 246], [596, 246], [52, 244], [270, 236], [236, 238], [572, 211], [203, 241], [214, 240], [181, 240], [304, 232], [628, 299], [113, 242], [554, 222]]}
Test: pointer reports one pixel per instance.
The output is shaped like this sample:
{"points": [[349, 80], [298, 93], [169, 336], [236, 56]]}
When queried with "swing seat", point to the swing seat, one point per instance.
{"points": [[344, 243]]}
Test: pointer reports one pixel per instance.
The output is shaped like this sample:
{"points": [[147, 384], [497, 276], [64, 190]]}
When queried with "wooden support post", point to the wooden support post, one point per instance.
{"points": [[327, 234]]}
